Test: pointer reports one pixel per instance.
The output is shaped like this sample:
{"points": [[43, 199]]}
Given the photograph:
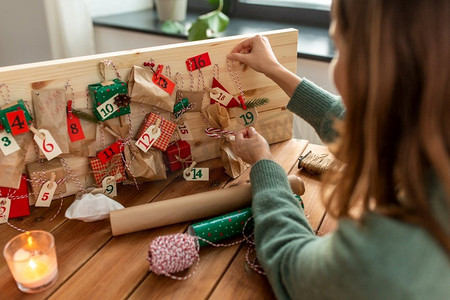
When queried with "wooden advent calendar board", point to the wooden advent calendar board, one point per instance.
{"points": [[274, 121]]}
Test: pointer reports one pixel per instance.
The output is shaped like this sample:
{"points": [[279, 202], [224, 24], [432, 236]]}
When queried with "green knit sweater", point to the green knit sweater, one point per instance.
{"points": [[379, 259]]}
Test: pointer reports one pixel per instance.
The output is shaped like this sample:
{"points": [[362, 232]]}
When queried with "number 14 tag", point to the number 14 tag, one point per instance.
{"points": [[7, 143], [196, 174]]}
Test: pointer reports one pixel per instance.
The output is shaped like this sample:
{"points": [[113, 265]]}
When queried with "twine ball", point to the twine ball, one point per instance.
{"points": [[172, 253]]}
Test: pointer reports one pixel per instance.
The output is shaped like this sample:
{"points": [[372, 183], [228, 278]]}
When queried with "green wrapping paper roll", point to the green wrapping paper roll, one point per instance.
{"points": [[225, 226], [222, 227]]}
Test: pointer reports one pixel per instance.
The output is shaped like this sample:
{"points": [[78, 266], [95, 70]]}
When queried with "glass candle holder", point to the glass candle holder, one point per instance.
{"points": [[31, 257]]}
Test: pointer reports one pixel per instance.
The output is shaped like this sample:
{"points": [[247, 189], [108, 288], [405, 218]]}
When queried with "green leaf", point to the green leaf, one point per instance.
{"points": [[172, 27], [217, 21], [198, 31], [214, 3]]}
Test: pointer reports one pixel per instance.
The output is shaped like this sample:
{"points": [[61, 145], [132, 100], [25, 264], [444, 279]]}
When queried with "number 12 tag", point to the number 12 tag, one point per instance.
{"points": [[196, 174], [148, 138], [46, 194], [48, 145], [8, 143], [5, 204], [109, 184]]}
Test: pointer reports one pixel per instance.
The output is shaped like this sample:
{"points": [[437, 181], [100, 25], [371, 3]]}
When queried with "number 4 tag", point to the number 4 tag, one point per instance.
{"points": [[7, 143]]}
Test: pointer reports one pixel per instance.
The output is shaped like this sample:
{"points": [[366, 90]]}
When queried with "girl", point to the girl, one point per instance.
{"points": [[393, 74]]}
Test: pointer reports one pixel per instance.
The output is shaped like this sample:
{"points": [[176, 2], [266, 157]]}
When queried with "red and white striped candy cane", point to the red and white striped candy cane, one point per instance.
{"points": [[217, 132]]}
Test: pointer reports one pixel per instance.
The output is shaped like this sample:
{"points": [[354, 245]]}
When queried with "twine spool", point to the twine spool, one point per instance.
{"points": [[317, 163]]}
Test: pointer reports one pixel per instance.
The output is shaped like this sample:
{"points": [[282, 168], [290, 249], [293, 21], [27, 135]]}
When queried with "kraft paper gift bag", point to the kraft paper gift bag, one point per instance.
{"points": [[233, 164], [217, 116], [12, 165], [142, 89], [87, 146], [50, 113]]}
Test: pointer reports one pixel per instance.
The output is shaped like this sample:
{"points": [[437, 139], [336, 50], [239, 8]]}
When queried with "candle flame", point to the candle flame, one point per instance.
{"points": [[30, 241], [32, 264]]}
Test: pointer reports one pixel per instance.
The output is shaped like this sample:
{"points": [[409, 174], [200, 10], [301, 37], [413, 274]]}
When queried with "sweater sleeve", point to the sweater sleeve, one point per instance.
{"points": [[317, 107]]}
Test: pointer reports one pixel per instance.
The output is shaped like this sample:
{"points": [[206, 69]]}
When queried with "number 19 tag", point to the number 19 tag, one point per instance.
{"points": [[48, 145], [109, 184], [5, 204], [196, 174], [46, 194], [8, 143], [245, 117], [148, 138]]}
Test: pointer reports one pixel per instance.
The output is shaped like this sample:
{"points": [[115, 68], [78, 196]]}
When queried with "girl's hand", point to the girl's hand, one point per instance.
{"points": [[251, 146], [256, 53]]}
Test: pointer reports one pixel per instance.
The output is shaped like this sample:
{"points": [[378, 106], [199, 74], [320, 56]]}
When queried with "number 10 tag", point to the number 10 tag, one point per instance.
{"points": [[48, 145], [5, 204], [46, 194], [109, 184], [8, 143], [107, 108]]}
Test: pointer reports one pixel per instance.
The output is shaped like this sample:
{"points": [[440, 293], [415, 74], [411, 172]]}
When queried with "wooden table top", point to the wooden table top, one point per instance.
{"points": [[95, 265]]}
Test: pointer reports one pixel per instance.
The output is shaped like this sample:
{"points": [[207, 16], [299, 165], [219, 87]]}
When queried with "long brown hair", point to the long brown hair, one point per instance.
{"points": [[395, 140]]}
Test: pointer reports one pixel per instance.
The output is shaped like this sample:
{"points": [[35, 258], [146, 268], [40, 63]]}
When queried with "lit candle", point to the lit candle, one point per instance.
{"points": [[32, 261]]}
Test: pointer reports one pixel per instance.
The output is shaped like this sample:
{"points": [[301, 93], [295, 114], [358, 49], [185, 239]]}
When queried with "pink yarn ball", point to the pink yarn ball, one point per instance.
{"points": [[172, 253]]}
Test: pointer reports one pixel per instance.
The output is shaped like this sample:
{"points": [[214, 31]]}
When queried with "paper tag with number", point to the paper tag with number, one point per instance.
{"points": [[148, 138], [107, 108], [245, 117], [198, 62], [46, 194], [74, 126], [196, 174], [164, 83], [5, 205], [8, 143], [48, 145], [221, 96], [108, 153], [109, 184], [17, 122], [184, 132]]}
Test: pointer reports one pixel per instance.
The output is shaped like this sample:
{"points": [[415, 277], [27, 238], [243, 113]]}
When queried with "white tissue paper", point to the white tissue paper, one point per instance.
{"points": [[92, 207]]}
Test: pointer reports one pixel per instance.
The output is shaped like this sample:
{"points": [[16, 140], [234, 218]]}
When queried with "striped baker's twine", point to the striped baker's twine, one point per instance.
{"points": [[217, 132]]}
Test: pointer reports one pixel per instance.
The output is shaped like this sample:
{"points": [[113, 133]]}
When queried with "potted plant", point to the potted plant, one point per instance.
{"points": [[205, 26], [171, 10]]}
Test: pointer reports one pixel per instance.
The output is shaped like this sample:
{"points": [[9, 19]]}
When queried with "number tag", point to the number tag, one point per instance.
{"points": [[109, 184], [46, 194], [48, 145], [184, 132], [5, 205], [74, 128], [196, 174], [8, 143], [108, 153], [245, 117], [164, 83], [198, 62], [148, 138], [17, 122], [107, 108], [221, 96]]}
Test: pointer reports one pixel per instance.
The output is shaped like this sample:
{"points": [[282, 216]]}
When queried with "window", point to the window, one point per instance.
{"points": [[309, 4]]}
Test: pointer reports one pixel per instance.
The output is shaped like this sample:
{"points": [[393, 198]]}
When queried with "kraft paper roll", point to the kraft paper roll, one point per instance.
{"points": [[187, 208]]}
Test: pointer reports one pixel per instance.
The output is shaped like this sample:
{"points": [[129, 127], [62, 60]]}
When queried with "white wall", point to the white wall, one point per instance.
{"points": [[23, 32], [100, 8]]}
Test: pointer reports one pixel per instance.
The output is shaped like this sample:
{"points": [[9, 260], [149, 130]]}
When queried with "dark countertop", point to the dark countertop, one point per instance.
{"points": [[314, 43]]}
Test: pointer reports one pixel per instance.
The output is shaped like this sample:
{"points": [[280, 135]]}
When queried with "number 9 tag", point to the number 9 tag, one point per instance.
{"points": [[48, 145], [46, 194], [109, 184], [244, 117], [8, 143]]}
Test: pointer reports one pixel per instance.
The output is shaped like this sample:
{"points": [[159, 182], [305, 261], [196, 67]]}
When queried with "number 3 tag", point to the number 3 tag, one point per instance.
{"points": [[148, 138], [196, 174], [5, 204], [7, 143], [46, 194], [48, 145], [109, 184]]}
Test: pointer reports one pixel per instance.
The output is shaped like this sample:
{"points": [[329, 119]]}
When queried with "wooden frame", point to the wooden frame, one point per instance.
{"points": [[274, 121]]}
